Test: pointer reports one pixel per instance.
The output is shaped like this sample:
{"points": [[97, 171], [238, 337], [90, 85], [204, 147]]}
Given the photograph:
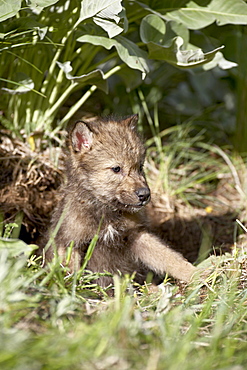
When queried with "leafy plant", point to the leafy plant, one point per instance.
{"points": [[48, 55]]}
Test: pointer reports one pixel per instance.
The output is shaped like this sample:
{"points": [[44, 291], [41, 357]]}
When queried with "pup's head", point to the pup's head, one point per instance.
{"points": [[107, 160]]}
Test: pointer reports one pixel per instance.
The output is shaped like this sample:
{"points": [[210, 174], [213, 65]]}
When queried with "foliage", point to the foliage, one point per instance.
{"points": [[54, 56], [68, 50]]}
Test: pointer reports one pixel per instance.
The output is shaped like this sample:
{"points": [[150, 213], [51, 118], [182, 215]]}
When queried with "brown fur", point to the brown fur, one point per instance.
{"points": [[105, 181]]}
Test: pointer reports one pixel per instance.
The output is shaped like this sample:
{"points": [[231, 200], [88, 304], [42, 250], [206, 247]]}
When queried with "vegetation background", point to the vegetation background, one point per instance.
{"points": [[63, 60]]}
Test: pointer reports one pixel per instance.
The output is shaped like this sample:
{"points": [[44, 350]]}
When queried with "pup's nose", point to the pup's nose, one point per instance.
{"points": [[143, 195]]}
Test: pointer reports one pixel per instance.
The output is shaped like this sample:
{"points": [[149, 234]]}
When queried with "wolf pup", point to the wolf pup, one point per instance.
{"points": [[105, 183]]}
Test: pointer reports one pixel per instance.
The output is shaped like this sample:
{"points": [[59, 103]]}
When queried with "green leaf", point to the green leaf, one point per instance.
{"points": [[41, 3], [129, 52], [23, 84], [93, 78], [152, 29], [178, 57], [132, 55], [108, 9], [26, 23], [174, 29], [223, 12], [106, 14], [220, 61], [16, 247], [110, 27], [9, 8]]}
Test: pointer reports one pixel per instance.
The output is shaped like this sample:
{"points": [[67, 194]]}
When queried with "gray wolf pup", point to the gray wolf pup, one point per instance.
{"points": [[105, 182]]}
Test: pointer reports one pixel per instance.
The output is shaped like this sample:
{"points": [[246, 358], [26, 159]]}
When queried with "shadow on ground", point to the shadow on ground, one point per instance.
{"points": [[214, 233]]}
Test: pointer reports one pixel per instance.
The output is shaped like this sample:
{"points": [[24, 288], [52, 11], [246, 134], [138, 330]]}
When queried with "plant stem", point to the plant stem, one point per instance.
{"points": [[60, 101], [75, 107], [83, 99], [18, 220], [54, 62]]}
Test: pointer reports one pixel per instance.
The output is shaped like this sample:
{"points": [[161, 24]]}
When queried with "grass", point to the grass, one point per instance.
{"points": [[51, 319], [180, 171]]}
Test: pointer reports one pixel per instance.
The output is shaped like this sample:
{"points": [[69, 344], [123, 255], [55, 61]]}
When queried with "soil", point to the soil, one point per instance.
{"points": [[29, 183]]}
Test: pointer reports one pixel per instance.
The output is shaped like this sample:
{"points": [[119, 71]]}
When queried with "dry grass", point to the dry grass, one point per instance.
{"points": [[29, 181]]}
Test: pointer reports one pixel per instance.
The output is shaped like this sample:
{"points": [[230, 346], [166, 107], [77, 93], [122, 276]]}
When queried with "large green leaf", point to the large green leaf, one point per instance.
{"points": [[110, 27], [181, 58], [41, 3], [106, 14], [93, 78], [129, 52], [152, 29], [9, 8], [223, 12], [132, 55], [108, 9], [164, 44], [198, 14]]}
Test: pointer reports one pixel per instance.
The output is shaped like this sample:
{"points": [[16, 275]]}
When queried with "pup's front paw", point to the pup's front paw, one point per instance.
{"points": [[204, 270]]}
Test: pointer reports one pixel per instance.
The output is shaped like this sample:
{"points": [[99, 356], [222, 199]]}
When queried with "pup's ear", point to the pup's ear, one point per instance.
{"points": [[131, 121], [81, 137]]}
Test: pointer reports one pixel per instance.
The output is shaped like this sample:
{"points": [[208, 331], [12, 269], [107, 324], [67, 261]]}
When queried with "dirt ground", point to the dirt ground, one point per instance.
{"points": [[29, 183]]}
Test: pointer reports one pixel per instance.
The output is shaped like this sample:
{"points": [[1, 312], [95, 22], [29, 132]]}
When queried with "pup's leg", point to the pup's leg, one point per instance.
{"points": [[161, 259]]}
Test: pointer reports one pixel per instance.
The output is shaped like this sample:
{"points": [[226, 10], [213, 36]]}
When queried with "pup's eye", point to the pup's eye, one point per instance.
{"points": [[116, 169], [141, 167]]}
